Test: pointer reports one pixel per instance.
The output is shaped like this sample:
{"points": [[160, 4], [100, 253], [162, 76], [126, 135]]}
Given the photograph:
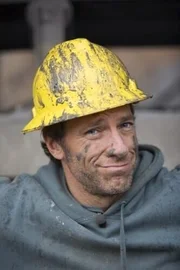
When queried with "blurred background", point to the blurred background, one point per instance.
{"points": [[144, 34]]}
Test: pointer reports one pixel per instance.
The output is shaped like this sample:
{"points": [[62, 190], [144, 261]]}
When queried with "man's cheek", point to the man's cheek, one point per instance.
{"points": [[82, 155], [79, 156], [86, 148]]}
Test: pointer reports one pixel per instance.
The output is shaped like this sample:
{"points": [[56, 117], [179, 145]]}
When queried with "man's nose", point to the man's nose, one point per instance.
{"points": [[117, 145]]}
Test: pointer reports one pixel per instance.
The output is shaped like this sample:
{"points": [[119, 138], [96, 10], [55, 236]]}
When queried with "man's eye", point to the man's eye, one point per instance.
{"points": [[92, 131], [127, 125]]}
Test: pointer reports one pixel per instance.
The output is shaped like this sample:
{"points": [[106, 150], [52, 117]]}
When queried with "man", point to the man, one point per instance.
{"points": [[103, 202]]}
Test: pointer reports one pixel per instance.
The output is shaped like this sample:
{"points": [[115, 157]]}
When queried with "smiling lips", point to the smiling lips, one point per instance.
{"points": [[116, 167]]}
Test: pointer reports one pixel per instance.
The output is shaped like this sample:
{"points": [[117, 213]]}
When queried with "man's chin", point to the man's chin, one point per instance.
{"points": [[119, 185]]}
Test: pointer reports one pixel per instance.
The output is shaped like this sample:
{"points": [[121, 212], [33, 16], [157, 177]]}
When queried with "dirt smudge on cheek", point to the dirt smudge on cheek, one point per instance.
{"points": [[135, 142], [79, 156], [86, 148], [135, 146]]}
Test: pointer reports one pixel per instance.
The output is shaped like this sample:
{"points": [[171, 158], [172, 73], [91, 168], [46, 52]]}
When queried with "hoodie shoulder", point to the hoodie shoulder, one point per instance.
{"points": [[18, 184], [171, 177], [176, 173], [17, 198], [171, 182], [177, 168]]}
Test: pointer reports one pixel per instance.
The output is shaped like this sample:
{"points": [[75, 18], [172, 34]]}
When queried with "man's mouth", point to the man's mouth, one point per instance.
{"points": [[115, 168], [115, 165]]}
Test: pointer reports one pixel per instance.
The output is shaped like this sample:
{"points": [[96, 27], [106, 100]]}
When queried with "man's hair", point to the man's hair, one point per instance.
{"points": [[57, 132]]}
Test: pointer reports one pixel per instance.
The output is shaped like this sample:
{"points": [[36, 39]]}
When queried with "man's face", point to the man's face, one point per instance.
{"points": [[100, 151]]}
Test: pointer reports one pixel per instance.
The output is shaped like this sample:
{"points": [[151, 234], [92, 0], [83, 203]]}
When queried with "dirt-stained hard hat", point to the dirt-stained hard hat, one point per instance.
{"points": [[78, 78]]}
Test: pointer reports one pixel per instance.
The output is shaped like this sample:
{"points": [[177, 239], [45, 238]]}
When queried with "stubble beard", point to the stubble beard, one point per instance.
{"points": [[95, 184], [98, 186]]}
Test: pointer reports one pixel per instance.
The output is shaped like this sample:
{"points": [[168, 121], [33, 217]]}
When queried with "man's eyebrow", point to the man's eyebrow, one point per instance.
{"points": [[96, 122], [92, 124], [127, 118], [100, 121]]}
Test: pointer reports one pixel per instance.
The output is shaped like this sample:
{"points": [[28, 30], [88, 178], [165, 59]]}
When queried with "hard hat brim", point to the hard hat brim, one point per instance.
{"points": [[56, 115]]}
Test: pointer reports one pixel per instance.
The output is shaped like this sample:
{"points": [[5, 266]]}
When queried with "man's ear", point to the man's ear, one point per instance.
{"points": [[54, 148]]}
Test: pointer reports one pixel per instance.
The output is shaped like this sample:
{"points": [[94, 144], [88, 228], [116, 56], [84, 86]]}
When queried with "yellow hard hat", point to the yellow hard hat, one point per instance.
{"points": [[79, 78]]}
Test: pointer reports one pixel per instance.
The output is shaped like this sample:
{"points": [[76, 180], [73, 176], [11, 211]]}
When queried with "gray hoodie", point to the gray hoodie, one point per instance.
{"points": [[43, 227]]}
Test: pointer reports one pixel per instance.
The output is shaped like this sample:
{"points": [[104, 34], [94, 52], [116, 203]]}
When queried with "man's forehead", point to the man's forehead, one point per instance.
{"points": [[119, 113]]}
